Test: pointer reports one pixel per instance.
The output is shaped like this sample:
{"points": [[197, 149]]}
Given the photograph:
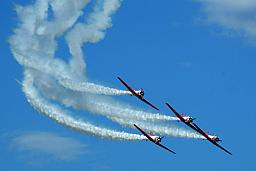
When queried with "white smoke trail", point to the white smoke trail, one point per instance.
{"points": [[91, 88], [61, 73], [33, 46], [158, 129], [60, 116], [93, 31], [95, 104]]}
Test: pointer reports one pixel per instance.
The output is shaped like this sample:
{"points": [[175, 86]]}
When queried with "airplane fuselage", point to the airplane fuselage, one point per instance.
{"points": [[188, 119], [140, 92], [154, 137], [214, 138]]}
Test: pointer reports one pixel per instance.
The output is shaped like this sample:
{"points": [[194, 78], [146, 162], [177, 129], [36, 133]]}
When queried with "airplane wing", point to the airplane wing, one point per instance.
{"points": [[151, 139], [191, 126], [144, 133], [161, 145], [127, 86], [175, 112], [222, 148], [181, 118], [145, 101], [208, 138], [135, 94], [201, 131]]}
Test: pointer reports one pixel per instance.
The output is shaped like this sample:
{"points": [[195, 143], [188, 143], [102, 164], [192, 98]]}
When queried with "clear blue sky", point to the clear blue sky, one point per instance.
{"points": [[182, 52]]}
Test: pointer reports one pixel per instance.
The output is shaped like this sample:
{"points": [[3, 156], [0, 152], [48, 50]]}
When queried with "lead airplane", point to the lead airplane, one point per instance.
{"points": [[138, 93], [212, 138], [155, 139], [185, 119]]}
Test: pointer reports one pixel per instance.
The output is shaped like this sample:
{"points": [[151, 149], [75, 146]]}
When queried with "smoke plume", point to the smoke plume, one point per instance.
{"points": [[52, 86]]}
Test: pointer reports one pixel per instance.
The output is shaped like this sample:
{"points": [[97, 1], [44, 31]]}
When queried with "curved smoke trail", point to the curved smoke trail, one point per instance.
{"points": [[60, 116], [48, 79], [91, 88]]}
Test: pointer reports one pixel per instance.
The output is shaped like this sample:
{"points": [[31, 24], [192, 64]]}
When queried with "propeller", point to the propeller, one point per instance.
{"points": [[160, 139], [193, 119], [141, 92]]}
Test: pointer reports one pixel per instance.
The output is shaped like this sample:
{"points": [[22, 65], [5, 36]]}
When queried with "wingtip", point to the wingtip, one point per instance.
{"points": [[174, 152], [229, 153], [168, 104]]}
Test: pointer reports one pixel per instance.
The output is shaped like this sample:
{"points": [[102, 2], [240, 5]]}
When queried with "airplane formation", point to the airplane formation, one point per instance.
{"points": [[187, 120]]}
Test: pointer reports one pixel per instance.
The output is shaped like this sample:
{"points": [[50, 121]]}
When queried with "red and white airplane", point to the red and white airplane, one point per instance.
{"points": [[188, 121], [185, 119], [138, 93], [212, 138], [155, 139]]}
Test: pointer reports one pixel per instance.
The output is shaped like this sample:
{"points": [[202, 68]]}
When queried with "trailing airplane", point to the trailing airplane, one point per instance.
{"points": [[155, 139], [212, 138], [138, 93]]}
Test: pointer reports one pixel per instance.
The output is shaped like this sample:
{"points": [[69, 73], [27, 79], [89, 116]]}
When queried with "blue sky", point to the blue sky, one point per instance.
{"points": [[197, 55]]}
